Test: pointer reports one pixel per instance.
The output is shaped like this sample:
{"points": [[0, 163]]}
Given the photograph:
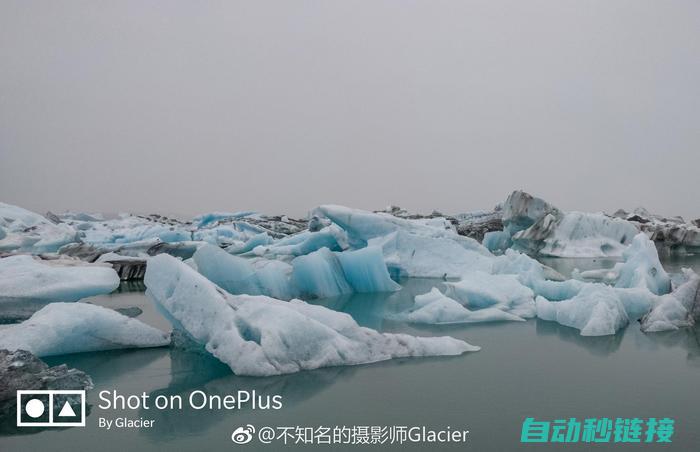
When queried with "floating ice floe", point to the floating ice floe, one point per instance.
{"points": [[22, 230], [536, 227], [680, 308], [320, 274], [362, 226], [331, 237], [25, 277], [62, 328], [411, 255], [640, 291], [258, 335], [642, 267], [239, 275], [324, 274], [436, 308], [478, 290], [673, 233], [598, 309], [131, 228], [426, 247]]}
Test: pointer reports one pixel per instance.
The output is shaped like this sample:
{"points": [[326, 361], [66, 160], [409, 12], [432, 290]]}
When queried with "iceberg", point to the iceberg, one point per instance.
{"points": [[534, 226], [642, 267], [320, 274], [248, 223], [522, 210], [260, 336], [579, 234], [680, 308], [248, 245], [478, 290], [411, 255], [132, 228], [435, 308], [324, 274], [477, 224], [26, 231], [673, 233], [366, 271], [24, 277], [331, 237], [597, 310], [362, 226], [238, 275], [62, 328]]}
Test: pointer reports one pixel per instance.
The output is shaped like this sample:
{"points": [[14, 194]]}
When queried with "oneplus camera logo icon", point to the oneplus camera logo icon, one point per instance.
{"points": [[46, 408]]}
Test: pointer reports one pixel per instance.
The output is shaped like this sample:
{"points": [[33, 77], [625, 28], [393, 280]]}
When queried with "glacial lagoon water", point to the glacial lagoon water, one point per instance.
{"points": [[525, 369]]}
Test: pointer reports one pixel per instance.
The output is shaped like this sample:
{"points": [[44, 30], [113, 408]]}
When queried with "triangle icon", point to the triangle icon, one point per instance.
{"points": [[66, 411]]}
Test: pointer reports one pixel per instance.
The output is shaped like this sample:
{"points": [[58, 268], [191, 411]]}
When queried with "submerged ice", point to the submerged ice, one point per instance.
{"points": [[259, 335]]}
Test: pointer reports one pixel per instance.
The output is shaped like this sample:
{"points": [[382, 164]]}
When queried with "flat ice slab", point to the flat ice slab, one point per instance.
{"points": [[62, 280], [62, 328]]}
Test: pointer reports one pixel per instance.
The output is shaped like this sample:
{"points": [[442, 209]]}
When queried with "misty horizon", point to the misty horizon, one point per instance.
{"points": [[277, 107]]}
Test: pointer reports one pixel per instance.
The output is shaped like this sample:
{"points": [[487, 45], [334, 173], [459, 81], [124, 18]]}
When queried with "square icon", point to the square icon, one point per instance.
{"points": [[51, 408]]}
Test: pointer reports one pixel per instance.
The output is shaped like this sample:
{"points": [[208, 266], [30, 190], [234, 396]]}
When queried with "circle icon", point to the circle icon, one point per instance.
{"points": [[34, 408]]}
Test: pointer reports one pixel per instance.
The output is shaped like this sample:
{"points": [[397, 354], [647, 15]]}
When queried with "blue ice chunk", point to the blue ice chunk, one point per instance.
{"points": [[320, 274], [642, 267], [209, 218], [331, 237], [365, 270], [239, 275], [257, 240], [497, 240]]}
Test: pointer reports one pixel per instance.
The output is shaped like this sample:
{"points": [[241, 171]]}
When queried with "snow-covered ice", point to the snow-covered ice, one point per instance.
{"points": [[478, 290], [412, 255], [26, 277], [642, 267], [62, 328], [680, 308], [258, 335], [23, 230], [534, 226]]}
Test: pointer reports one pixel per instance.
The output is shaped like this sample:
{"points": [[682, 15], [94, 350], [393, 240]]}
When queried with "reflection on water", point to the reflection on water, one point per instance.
{"points": [[193, 371], [598, 345]]}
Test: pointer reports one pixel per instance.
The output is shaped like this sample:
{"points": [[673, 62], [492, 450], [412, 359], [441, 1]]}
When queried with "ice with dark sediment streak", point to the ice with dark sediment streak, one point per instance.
{"points": [[532, 225]]}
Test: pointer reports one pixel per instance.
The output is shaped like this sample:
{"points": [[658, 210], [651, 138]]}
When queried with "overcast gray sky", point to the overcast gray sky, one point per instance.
{"points": [[192, 106]]}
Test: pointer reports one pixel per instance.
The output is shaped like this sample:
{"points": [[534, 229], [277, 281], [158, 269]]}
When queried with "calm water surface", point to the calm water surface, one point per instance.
{"points": [[534, 368]]}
